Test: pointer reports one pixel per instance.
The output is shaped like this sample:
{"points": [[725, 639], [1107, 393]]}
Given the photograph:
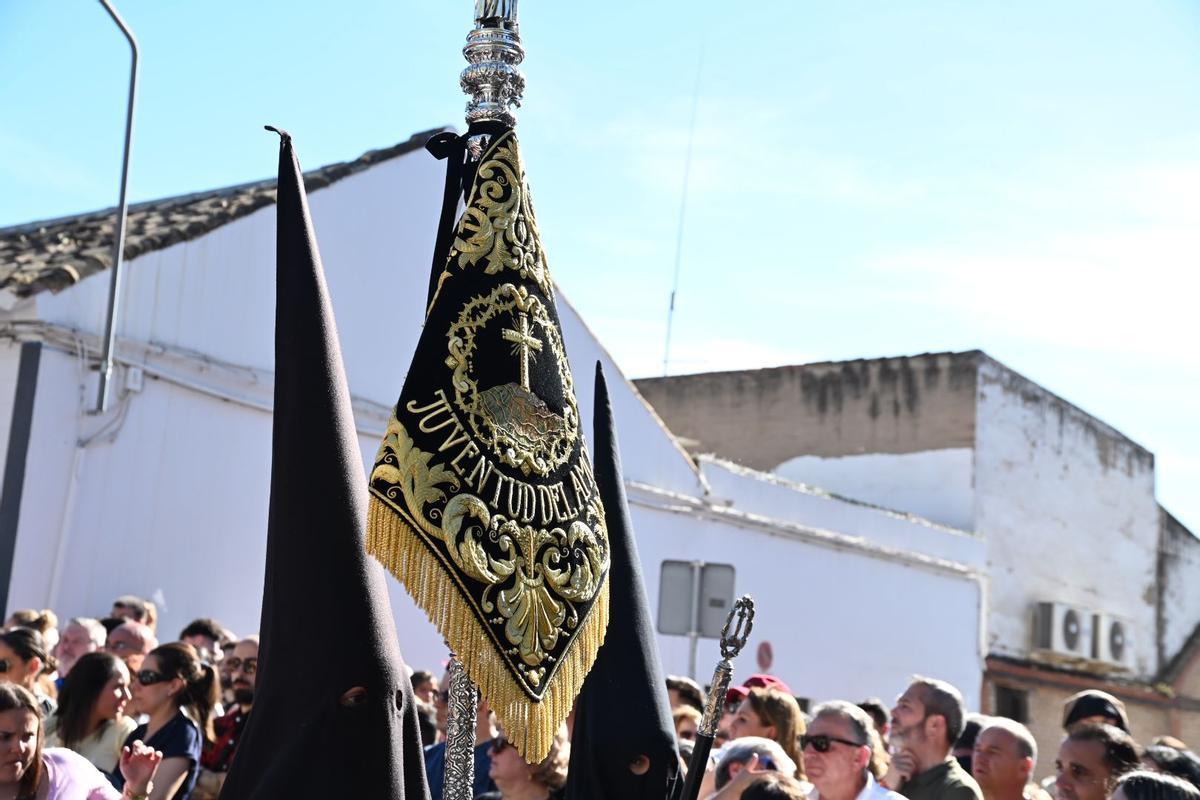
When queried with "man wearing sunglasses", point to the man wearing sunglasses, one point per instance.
{"points": [[926, 721], [837, 751]]}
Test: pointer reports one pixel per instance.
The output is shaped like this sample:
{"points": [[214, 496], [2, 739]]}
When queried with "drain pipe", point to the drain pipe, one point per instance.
{"points": [[110, 323]]}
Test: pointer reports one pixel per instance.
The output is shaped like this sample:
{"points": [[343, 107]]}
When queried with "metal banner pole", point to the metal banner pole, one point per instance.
{"points": [[494, 84], [462, 706], [733, 638]]}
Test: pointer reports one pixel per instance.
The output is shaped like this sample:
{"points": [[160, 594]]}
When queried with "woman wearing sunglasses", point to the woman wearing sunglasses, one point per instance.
{"points": [[843, 754], [24, 659], [91, 710], [28, 771], [173, 679], [772, 714], [516, 780]]}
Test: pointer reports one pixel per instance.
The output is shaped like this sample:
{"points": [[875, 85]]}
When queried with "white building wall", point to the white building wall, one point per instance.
{"points": [[173, 504], [1067, 507], [1180, 590], [821, 569], [146, 497], [935, 484], [10, 362]]}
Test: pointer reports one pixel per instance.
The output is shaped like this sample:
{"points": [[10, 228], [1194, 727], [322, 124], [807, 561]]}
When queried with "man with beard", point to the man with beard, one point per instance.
{"points": [[218, 756], [926, 721], [82, 635], [1004, 759]]}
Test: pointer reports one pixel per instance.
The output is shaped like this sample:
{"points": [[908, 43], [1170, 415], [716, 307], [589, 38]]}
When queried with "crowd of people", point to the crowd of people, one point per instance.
{"points": [[924, 747], [100, 708], [101, 701]]}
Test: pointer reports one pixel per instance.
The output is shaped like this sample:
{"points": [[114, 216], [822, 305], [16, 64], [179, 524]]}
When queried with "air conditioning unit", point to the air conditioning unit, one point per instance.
{"points": [[1112, 640], [1063, 630]]}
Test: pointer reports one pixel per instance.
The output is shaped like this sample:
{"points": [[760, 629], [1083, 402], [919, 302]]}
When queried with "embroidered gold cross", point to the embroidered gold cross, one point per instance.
{"points": [[524, 342]]}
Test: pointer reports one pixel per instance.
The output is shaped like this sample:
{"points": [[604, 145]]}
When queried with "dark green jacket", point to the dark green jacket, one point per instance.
{"points": [[946, 781]]}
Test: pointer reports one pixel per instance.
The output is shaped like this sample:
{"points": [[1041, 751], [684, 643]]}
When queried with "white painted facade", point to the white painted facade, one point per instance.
{"points": [[166, 495], [1067, 507], [10, 360], [935, 484], [1178, 585]]}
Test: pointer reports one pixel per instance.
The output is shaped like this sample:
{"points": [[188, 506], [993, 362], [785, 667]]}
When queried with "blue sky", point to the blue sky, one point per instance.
{"points": [[868, 179]]}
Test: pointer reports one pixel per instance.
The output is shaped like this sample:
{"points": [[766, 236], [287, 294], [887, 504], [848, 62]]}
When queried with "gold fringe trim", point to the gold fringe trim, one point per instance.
{"points": [[529, 725]]}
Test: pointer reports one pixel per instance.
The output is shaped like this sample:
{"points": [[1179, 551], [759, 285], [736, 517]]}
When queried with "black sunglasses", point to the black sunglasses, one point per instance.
{"points": [[248, 666], [500, 744], [148, 677], [5, 666], [822, 743]]}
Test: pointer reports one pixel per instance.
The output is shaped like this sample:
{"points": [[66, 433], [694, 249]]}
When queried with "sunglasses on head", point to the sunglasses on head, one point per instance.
{"points": [[248, 666], [148, 677], [822, 743]]}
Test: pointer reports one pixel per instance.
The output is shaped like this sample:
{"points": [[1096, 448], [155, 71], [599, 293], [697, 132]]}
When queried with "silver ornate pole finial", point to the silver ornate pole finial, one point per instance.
{"points": [[734, 635], [493, 51]]}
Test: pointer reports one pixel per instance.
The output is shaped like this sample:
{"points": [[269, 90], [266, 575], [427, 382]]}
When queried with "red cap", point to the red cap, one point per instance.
{"points": [[737, 694]]}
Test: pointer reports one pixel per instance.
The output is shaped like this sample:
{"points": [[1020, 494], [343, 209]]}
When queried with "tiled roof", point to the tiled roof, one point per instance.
{"points": [[55, 254]]}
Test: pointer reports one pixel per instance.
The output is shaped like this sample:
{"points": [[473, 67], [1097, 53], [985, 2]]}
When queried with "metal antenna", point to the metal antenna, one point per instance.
{"points": [[114, 287], [687, 171]]}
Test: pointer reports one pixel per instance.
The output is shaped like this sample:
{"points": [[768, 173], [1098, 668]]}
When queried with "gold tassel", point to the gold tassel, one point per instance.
{"points": [[528, 725]]}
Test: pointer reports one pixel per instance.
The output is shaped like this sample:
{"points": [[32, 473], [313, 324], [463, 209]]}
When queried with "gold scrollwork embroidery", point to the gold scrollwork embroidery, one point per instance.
{"points": [[498, 227], [537, 574]]}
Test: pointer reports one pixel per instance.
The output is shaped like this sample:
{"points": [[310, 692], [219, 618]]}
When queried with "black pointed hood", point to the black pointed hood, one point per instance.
{"points": [[333, 713], [622, 712]]}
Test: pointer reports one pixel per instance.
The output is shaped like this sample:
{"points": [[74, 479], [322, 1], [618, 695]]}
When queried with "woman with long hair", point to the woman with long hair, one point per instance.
{"points": [[91, 710], [29, 770], [178, 693], [24, 659], [772, 714]]}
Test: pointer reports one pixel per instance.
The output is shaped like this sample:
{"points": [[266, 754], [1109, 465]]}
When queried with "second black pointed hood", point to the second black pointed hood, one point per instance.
{"points": [[333, 713], [622, 712]]}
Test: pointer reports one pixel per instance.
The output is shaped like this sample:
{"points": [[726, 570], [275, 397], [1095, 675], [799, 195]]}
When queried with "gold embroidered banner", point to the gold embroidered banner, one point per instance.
{"points": [[483, 501]]}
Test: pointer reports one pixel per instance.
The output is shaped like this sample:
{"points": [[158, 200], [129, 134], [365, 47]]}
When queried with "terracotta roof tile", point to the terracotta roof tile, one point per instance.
{"points": [[56, 254]]}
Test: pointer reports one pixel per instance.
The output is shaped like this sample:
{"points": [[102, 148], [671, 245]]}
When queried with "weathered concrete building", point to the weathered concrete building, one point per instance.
{"points": [[1088, 578]]}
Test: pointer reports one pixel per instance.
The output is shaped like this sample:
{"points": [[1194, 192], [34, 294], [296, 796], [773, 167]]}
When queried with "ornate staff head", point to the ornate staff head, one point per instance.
{"points": [[741, 620], [494, 51]]}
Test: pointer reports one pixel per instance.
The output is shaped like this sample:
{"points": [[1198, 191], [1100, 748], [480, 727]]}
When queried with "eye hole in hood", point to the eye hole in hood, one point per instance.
{"points": [[354, 697]]}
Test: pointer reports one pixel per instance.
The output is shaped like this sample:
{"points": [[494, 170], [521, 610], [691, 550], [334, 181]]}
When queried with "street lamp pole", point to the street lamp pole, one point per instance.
{"points": [[110, 329]]}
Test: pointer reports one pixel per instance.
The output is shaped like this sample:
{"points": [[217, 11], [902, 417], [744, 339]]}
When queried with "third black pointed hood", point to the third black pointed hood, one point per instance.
{"points": [[622, 712]]}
